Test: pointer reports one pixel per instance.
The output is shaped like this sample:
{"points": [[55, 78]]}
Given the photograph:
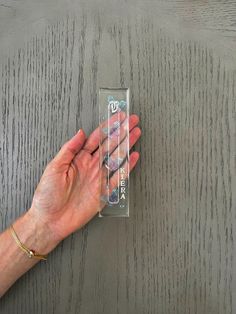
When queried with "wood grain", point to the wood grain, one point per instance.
{"points": [[176, 253]]}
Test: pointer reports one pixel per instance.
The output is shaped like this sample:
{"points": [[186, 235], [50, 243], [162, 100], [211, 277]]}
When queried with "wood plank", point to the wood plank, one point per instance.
{"points": [[175, 254]]}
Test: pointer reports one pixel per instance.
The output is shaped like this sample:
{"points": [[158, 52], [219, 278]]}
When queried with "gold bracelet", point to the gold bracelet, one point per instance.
{"points": [[30, 253]]}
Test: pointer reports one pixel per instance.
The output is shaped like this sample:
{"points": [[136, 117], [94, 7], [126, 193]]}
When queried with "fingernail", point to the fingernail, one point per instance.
{"points": [[81, 131]]}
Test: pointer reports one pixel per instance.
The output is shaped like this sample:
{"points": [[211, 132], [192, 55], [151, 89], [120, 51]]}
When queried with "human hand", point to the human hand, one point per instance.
{"points": [[68, 194]]}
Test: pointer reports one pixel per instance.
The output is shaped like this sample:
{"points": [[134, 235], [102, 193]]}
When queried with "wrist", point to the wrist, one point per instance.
{"points": [[34, 234]]}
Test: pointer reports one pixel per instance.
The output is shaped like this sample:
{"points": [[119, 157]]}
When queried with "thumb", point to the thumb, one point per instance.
{"points": [[71, 148]]}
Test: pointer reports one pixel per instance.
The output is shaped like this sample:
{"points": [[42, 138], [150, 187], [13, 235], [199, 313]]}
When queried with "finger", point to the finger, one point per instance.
{"points": [[126, 169], [110, 143], [71, 148], [114, 161], [106, 127]]}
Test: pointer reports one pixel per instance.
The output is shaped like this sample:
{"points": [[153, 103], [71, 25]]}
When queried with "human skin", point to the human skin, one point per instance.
{"points": [[67, 197]]}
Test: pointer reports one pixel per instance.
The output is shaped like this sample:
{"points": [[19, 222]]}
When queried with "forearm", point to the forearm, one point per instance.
{"points": [[14, 262]]}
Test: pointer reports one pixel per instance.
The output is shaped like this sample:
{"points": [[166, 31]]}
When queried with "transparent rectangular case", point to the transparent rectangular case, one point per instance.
{"points": [[114, 151]]}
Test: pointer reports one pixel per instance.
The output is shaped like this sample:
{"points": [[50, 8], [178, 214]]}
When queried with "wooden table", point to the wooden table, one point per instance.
{"points": [[176, 252]]}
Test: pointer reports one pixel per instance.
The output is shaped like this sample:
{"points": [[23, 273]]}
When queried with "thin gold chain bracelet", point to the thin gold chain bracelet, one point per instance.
{"points": [[30, 253]]}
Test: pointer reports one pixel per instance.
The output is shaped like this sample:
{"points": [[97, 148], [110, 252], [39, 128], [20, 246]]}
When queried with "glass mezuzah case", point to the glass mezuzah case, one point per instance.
{"points": [[114, 151]]}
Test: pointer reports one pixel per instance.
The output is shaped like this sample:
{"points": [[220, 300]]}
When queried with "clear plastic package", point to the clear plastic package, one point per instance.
{"points": [[114, 151]]}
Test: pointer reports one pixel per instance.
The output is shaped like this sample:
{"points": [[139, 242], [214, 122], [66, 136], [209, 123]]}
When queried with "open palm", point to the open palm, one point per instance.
{"points": [[69, 192]]}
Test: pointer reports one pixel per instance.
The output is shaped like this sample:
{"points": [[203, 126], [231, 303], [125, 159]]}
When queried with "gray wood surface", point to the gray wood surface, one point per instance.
{"points": [[176, 253]]}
